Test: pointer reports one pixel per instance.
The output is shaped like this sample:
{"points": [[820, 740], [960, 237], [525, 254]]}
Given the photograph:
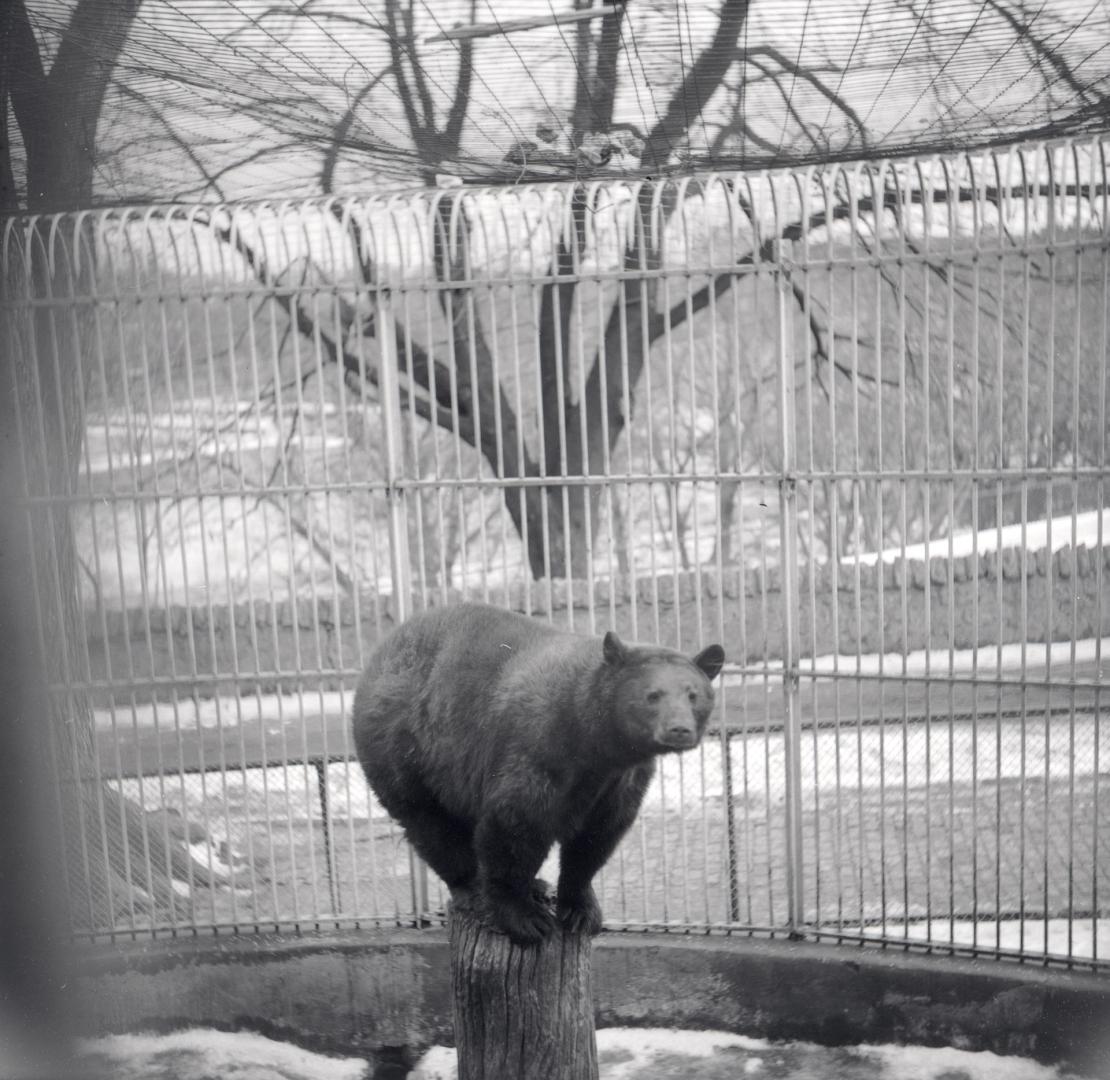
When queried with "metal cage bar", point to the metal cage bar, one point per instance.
{"points": [[267, 432]]}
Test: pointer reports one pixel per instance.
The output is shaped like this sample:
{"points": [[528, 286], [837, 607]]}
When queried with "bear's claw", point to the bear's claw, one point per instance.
{"points": [[581, 915], [528, 923]]}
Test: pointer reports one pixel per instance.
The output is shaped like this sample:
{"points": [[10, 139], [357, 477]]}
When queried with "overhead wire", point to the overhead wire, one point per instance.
{"points": [[794, 74], [476, 69], [702, 105], [846, 67], [937, 73], [658, 119], [944, 66], [632, 75], [580, 78], [553, 113], [1104, 46], [965, 92], [881, 95]]}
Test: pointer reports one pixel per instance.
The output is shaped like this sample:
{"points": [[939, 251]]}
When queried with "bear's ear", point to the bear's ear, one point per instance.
{"points": [[710, 660], [613, 649]]}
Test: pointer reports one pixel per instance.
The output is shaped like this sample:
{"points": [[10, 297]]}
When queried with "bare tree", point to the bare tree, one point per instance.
{"points": [[579, 425], [589, 389]]}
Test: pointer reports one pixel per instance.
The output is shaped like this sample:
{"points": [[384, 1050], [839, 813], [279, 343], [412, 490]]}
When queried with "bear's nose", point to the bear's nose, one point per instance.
{"points": [[680, 732]]}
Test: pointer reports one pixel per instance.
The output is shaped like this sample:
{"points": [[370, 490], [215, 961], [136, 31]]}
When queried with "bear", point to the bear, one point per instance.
{"points": [[490, 736]]}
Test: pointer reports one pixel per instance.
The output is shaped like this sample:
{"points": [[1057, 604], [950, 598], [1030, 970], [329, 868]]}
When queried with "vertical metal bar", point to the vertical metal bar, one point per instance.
{"points": [[975, 377], [876, 439], [834, 555], [1099, 162], [857, 510], [579, 361], [347, 228], [764, 753], [1052, 260], [788, 525], [952, 186], [649, 240], [1023, 549], [400, 570], [1005, 242], [284, 472], [1076, 449], [811, 193], [925, 183], [733, 357], [228, 468], [255, 348], [902, 225], [329, 848]]}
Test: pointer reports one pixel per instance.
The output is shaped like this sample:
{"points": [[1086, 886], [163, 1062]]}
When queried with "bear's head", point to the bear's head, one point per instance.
{"points": [[662, 699]]}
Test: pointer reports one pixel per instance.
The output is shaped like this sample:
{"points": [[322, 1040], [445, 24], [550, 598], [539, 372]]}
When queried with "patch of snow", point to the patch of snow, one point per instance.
{"points": [[631, 1050], [199, 1053], [853, 758], [631, 1053], [943, 1062], [986, 658], [1081, 938], [203, 854], [863, 758], [1089, 529], [439, 1063], [226, 711]]}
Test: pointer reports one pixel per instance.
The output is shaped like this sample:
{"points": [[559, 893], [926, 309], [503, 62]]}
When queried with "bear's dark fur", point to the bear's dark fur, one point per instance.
{"points": [[490, 736]]}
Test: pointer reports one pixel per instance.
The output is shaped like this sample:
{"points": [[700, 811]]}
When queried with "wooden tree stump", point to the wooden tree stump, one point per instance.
{"points": [[520, 1012]]}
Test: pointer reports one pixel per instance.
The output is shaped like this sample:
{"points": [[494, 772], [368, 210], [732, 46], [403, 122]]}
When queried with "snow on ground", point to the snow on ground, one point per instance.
{"points": [[663, 1054], [852, 757], [225, 711], [1088, 529], [1083, 938], [831, 761], [201, 1053], [985, 659], [623, 1054]]}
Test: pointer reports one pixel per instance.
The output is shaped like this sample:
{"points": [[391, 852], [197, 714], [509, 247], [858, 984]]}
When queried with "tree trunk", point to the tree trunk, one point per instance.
{"points": [[520, 1012]]}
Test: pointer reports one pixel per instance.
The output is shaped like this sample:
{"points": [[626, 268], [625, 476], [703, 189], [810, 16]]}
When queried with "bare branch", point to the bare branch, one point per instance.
{"points": [[416, 126], [788, 101], [810, 75], [605, 70], [460, 102], [699, 83], [418, 75], [1023, 31], [342, 128]]}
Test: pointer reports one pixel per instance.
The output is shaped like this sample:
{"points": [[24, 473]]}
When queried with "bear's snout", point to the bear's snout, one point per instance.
{"points": [[679, 730], [681, 735]]}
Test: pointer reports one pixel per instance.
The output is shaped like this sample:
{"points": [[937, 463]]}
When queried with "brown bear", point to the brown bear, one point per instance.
{"points": [[490, 736]]}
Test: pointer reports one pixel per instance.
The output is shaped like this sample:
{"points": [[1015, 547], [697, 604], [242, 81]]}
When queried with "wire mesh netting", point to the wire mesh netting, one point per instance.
{"points": [[849, 421], [217, 100]]}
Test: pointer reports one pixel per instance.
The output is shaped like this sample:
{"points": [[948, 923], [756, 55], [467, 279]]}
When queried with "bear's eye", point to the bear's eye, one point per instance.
{"points": [[692, 695], [654, 695]]}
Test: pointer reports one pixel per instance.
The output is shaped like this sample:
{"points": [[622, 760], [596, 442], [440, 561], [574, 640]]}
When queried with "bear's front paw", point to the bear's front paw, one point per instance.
{"points": [[526, 922], [580, 914]]}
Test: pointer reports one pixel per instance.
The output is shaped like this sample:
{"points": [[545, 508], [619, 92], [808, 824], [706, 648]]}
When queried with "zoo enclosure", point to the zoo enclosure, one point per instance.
{"points": [[851, 422]]}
